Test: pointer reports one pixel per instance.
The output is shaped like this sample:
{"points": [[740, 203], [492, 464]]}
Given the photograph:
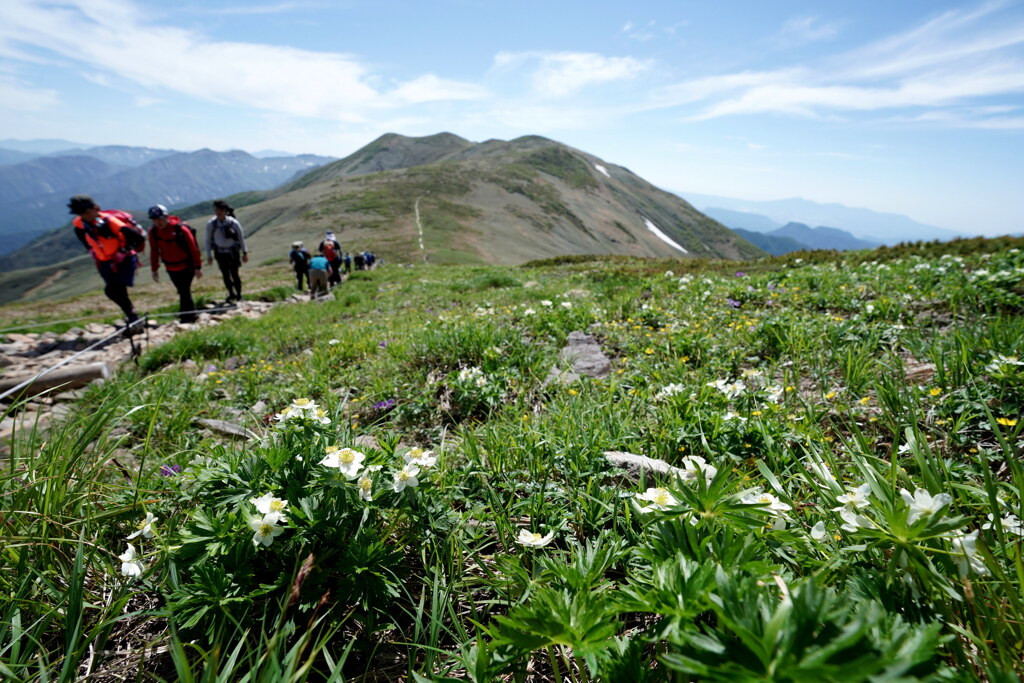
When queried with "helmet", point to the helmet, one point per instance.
{"points": [[81, 203], [158, 211]]}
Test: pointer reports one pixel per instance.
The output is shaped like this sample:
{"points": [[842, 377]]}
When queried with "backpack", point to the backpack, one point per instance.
{"points": [[229, 229], [329, 251], [179, 235], [134, 234]]}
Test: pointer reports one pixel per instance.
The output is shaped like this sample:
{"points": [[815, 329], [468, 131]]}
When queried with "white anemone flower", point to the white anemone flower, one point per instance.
{"points": [[965, 553], [144, 528], [265, 529], [268, 504], [421, 457], [693, 465], [347, 460], [856, 498], [406, 477], [130, 565], [659, 499], [773, 504], [1011, 524], [818, 531], [365, 488], [534, 540], [924, 504], [669, 390]]}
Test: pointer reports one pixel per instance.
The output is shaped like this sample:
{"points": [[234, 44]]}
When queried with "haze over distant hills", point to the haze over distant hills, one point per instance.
{"points": [[444, 199], [764, 216], [34, 192]]}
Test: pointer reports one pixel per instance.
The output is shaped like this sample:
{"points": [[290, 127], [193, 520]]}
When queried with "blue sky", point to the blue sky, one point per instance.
{"points": [[913, 107]]}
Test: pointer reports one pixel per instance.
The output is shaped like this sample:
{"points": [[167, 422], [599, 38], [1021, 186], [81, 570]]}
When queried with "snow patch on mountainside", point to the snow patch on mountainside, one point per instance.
{"points": [[662, 236], [602, 169]]}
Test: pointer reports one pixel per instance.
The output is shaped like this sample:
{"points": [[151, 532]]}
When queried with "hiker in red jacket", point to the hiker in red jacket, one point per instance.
{"points": [[174, 242], [112, 238]]}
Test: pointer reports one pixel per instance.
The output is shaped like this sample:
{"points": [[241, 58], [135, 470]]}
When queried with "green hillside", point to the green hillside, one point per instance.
{"points": [[418, 501], [493, 202]]}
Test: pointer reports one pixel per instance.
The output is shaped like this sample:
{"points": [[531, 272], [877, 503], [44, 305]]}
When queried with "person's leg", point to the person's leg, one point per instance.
{"points": [[298, 280], [236, 280], [224, 263], [182, 280], [117, 291]]}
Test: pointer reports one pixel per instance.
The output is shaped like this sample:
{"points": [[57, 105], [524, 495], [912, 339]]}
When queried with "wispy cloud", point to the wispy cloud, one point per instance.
{"points": [[954, 59], [560, 74], [802, 30], [113, 41], [21, 97]]}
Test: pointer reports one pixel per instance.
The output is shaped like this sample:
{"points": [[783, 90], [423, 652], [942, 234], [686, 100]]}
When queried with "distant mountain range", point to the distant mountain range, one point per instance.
{"points": [[799, 237], [765, 216], [34, 191], [444, 199]]}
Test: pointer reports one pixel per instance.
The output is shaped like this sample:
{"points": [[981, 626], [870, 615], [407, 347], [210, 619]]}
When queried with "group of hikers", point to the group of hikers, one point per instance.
{"points": [[323, 271], [114, 239]]}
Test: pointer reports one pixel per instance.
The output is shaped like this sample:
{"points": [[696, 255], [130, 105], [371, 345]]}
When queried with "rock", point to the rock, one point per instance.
{"points": [[365, 441], [586, 358], [225, 427], [637, 465]]}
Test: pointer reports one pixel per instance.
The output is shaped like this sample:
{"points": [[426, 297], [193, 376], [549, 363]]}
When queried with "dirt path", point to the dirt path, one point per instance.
{"points": [[419, 227], [58, 274]]}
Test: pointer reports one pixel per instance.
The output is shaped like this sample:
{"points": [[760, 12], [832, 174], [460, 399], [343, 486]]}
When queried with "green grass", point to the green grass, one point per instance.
{"points": [[799, 397]]}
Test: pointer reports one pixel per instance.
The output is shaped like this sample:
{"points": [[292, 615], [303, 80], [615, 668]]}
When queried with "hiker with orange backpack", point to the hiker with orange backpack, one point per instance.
{"points": [[173, 241], [113, 239]]}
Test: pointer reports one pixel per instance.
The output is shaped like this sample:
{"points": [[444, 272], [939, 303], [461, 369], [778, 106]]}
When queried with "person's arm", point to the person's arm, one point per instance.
{"points": [[154, 255], [209, 242], [241, 241]]}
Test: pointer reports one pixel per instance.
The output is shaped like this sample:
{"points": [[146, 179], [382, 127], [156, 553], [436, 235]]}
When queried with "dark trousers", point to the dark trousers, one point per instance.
{"points": [[229, 262], [182, 280], [335, 277], [118, 279], [301, 275]]}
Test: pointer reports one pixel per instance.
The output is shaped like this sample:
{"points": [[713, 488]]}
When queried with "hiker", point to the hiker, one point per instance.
{"points": [[113, 239], [319, 272], [300, 258], [369, 258], [348, 263], [225, 239], [360, 260], [173, 241], [331, 249]]}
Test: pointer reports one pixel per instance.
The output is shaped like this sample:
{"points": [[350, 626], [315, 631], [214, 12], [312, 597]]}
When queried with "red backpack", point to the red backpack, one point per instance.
{"points": [[330, 253]]}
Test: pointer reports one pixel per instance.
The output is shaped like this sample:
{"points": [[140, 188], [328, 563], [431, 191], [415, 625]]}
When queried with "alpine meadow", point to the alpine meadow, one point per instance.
{"points": [[832, 488]]}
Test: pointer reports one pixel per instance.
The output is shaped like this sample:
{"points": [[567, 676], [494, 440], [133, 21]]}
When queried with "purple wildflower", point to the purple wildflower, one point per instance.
{"points": [[733, 303], [384, 405], [740, 273], [169, 470]]}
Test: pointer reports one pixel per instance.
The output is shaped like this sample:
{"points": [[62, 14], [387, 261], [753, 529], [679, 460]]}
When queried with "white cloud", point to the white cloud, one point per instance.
{"points": [[115, 43], [801, 30], [560, 74], [952, 60], [23, 98]]}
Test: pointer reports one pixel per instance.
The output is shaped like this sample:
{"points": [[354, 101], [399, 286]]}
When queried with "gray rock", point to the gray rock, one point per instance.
{"points": [[637, 465], [585, 358], [226, 428]]}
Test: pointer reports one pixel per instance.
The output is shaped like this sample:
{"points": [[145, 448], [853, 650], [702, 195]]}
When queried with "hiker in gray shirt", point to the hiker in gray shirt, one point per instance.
{"points": [[225, 240]]}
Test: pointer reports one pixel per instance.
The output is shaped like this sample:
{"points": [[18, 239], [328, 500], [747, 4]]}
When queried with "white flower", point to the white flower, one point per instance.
{"points": [[854, 521], [545, 302], [406, 477], [319, 415], [818, 531], [347, 460], [566, 304], [730, 389], [145, 528], [923, 504], [1000, 360], [470, 374], [532, 540], [365, 488], [694, 465], [659, 499], [733, 415], [669, 390], [775, 394], [266, 529], [268, 504], [418, 456], [856, 498], [1010, 524], [966, 554], [529, 311], [130, 566], [773, 504], [334, 341]]}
